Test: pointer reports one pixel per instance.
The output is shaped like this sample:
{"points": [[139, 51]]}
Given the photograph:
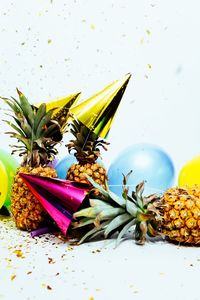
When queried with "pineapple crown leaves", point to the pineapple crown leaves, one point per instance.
{"points": [[86, 144], [34, 128], [111, 214]]}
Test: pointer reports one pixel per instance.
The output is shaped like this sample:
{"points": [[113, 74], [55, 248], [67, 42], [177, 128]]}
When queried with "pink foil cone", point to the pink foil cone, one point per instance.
{"points": [[60, 198]]}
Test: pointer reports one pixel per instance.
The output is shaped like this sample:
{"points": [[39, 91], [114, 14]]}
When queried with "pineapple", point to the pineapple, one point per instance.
{"points": [[175, 215], [86, 147], [181, 214], [38, 135]]}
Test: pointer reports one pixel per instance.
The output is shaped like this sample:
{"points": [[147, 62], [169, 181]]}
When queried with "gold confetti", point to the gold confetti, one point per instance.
{"points": [[18, 253], [92, 26], [148, 32], [70, 248], [49, 41], [12, 277], [28, 273], [149, 66]]}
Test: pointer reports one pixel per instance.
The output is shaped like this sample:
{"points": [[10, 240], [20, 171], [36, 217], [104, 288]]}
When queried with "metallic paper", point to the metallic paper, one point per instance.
{"points": [[60, 198], [61, 108], [97, 112]]}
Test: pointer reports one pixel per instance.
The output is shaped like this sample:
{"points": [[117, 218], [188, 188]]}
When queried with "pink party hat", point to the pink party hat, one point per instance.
{"points": [[60, 198]]}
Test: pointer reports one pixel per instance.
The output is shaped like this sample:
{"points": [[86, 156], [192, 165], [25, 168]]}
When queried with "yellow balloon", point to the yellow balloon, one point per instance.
{"points": [[3, 184], [190, 173]]}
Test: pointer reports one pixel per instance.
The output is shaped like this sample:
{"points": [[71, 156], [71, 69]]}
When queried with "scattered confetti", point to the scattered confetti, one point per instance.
{"points": [[28, 273], [12, 277], [49, 41], [92, 26], [70, 248], [18, 253], [148, 32], [50, 260]]}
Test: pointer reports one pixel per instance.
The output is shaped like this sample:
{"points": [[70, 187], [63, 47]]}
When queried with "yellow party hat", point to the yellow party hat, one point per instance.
{"points": [[61, 108], [97, 112]]}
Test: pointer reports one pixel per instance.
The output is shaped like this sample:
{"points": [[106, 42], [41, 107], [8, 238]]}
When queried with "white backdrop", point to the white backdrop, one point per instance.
{"points": [[51, 48]]}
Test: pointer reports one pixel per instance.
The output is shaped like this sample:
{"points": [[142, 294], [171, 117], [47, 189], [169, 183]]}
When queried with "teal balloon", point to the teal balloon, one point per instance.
{"points": [[63, 165], [148, 162]]}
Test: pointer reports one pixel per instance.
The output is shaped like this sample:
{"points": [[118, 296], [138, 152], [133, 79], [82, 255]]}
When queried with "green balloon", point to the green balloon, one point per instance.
{"points": [[10, 165]]}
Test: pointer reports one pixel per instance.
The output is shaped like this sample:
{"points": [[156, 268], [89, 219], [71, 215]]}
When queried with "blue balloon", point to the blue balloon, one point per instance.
{"points": [[148, 162], [64, 164]]}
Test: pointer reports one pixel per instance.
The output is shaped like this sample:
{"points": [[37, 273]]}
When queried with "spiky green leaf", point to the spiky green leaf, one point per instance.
{"points": [[40, 114], [44, 121], [92, 232], [131, 208], [124, 231], [83, 222], [116, 223], [90, 212], [109, 213], [99, 187], [25, 141], [15, 128], [119, 200], [26, 107], [98, 202]]}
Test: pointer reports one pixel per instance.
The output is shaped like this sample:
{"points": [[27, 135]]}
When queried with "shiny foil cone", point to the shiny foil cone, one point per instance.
{"points": [[98, 112], [61, 108], [60, 198]]}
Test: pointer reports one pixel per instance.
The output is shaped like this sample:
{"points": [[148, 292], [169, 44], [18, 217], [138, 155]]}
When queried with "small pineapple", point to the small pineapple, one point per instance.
{"points": [[86, 146], [35, 131], [181, 214], [175, 215]]}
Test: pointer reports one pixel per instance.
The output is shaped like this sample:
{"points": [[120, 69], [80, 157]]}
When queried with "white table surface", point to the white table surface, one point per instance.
{"points": [[49, 268]]}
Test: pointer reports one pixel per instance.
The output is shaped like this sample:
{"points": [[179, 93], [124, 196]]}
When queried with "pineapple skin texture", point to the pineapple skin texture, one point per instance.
{"points": [[27, 211], [181, 215], [77, 173]]}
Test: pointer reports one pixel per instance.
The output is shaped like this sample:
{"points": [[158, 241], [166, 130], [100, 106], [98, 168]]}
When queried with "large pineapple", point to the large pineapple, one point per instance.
{"points": [[175, 215], [37, 135], [86, 150]]}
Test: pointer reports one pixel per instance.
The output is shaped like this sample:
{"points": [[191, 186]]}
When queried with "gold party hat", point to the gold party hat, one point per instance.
{"points": [[61, 108], [97, 112]]}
